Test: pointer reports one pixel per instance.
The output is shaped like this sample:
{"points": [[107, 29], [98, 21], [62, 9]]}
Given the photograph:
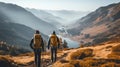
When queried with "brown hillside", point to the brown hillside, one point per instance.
{"points": [[98, 26]]}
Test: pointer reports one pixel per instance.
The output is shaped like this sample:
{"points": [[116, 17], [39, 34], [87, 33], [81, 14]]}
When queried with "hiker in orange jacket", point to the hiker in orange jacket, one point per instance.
{"points": [[37, 45], [54, 44]]}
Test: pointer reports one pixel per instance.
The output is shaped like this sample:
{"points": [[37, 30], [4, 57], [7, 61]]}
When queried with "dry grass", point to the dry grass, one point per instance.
{"points": [[91, 62], [115, 54], [95, 30], [6, 57], [75, 63], [107, 47], [57, 64], [84, 57], [67, 65], [5, 61], [116, 50], [87, 62], [111, 64], [80, 54]]}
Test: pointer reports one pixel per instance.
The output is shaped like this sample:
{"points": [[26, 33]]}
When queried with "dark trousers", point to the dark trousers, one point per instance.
{"points": [[53, 53], [37, 53]]}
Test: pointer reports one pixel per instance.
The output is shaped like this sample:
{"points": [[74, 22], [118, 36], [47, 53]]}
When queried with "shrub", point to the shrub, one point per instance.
{"points": [[87, 35], [64, 61], [88, 44], [90, 62], [115, 54], [80, 54], [75, 63], [81, 46], [116, 50], [107, 47], [110, 64], [6, 62]]}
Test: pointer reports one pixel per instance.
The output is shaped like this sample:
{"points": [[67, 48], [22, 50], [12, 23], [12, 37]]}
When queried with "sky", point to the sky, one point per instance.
{"points": [[78, 5]]}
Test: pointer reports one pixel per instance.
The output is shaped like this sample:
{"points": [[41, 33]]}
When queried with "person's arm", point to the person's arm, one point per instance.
{"points": [[31, 44], [42, 44], [58, 42], [49, 44]]}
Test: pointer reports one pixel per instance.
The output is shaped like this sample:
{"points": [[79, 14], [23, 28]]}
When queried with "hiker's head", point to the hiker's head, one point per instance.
{"points": [[54, 33], [37, 32]]}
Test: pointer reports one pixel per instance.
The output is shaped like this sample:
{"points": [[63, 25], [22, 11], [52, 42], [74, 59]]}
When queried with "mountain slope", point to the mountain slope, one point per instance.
{"points": [[19, 15], [42, 14], [14, 33], [97, 26]]}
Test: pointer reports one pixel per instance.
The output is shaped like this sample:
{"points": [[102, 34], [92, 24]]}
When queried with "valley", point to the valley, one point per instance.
{"points": [[89, 39]]}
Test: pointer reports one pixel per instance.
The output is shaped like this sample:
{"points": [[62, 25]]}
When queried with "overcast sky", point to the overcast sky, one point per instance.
{"points": [[80, 5]]}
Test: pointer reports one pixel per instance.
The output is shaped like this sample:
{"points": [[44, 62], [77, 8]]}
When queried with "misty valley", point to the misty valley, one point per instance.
{"points": [[88, 38]]}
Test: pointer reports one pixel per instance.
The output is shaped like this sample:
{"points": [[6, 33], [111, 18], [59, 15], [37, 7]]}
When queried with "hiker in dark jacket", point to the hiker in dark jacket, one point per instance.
{"points": [[37, 45], [54, 44]]}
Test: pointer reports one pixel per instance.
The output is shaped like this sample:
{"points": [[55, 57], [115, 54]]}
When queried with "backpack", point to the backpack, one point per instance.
{"points": [[53, 40], [37, 41]]}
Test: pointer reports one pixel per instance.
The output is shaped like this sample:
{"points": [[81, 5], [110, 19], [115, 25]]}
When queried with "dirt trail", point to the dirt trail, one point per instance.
{"points": [[28, 61]]}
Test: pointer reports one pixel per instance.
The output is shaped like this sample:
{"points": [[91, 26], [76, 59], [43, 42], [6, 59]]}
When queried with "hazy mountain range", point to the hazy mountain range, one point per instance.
{"points": [[58, 17], [68, 14], [48, 17], [19, 15]]}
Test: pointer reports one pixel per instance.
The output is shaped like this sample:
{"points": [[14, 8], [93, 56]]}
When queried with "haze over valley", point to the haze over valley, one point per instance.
{"points": [[89, 31]]}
